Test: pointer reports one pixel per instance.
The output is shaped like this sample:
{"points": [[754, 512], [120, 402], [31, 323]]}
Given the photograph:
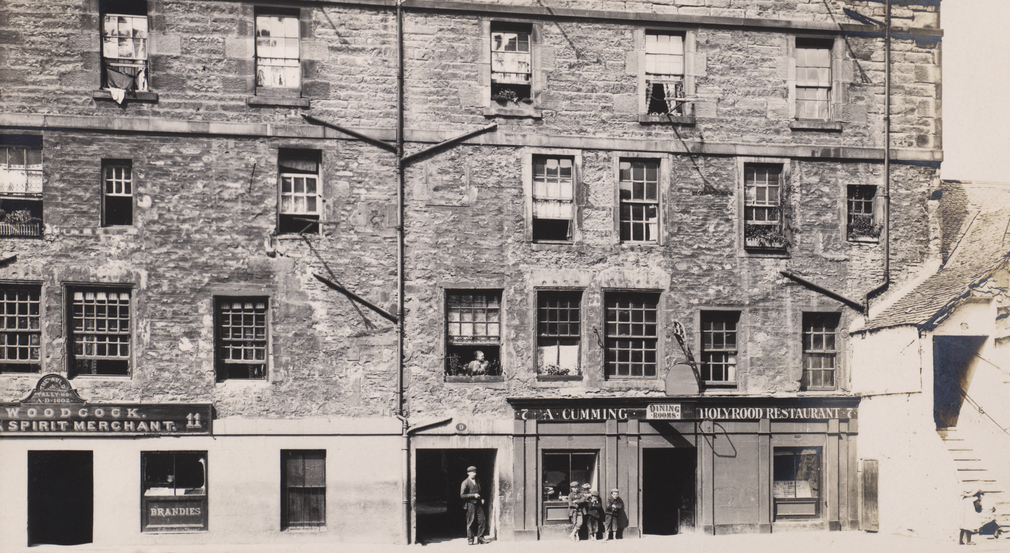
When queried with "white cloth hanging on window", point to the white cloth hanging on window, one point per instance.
{"points": [[118, 94]]}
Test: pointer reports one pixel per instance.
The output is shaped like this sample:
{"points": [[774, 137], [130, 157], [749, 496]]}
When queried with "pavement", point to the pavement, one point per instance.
{"points": [[812, 542]]}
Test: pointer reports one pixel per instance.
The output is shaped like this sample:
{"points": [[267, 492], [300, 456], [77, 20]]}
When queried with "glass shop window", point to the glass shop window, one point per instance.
{"points": [[797, 485], [174, 490]]}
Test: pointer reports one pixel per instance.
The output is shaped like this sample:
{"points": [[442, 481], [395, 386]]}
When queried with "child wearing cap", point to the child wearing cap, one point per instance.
{"points": [[594, 512], [614, 511], [575, 510]]}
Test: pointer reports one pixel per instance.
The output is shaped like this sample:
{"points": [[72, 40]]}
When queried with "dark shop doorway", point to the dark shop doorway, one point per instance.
{"points": [[668, 490], [439, 473], [60, 497]]}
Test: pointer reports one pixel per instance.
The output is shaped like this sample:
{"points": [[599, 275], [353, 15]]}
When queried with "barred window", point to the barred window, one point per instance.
{"points": [[125, 47], [559, 333], [21, 334], [819, 350], [664, 73], [639, 186], [277, 51], [813, 78], [763, 188], [632, 334], [719, 346], [100, 330], [241, 338], [553, 198], [117, 192], [303, 485], [473, 328]]}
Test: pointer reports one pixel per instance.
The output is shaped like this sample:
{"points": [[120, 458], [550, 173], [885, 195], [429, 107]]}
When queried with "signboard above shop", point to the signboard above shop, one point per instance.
{"points": [[693, 410], [54, 408]]}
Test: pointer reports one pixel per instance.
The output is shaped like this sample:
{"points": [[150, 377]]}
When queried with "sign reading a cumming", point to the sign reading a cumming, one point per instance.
{"points": [[54, 407]]}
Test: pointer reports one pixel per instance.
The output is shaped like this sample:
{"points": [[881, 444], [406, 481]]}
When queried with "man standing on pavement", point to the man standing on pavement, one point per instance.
{"points": [[470, 493]]}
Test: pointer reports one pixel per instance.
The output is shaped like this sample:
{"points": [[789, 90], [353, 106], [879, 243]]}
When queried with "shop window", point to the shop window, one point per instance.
{"points": [[278, 64], [117, 192], [764, 225], [797, 485], [553, 198], [303, 486], [560, 469], [20, 329], [21, 191], [511, 63], [301, 193], [558, 332], [664, 73], [632, 334], [820, 350], [100, 331], [719, 347], [174, 490], [473, 329], [639, 196], [813, 78], [241, 338], [125, 69], [865, 220]]}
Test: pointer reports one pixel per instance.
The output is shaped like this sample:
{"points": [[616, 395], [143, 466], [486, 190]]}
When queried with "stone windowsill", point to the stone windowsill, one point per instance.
{"points": [[513, 110], [766, 252], [475, 379], [863, 240], [551, 246], [660, 118], [130, 96], [559, 377], [117, 230], [277, 101], [815, 125]]}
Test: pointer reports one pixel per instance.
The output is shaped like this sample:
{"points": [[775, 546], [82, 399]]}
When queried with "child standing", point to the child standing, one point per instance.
{"points": [[614, 512]]}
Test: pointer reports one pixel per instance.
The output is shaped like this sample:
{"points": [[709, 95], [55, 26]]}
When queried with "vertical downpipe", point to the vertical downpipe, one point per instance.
{"points": [[885, 233], [405, 439]]}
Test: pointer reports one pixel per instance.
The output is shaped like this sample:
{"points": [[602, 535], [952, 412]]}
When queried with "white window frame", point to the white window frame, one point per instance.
{"points": [[530, 188], [530, 108], [833, 84], [122, 186], [663, 184], [548, 357], [686, 78], [125, 49], [833, 353], [287, 201], [21, 182], [276, 51]]}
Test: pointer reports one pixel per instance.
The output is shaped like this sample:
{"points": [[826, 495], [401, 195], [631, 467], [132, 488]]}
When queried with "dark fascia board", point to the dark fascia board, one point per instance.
{"points": [[639, 18], [642, 402]]}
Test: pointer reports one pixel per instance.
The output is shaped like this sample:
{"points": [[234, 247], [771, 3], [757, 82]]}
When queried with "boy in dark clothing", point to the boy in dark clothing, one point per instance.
{"points": [[575, 510], [594, 512], [614, 511]]}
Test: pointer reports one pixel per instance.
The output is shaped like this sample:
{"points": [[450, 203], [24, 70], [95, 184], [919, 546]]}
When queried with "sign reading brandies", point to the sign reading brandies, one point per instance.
{"points": [[54, 407]]}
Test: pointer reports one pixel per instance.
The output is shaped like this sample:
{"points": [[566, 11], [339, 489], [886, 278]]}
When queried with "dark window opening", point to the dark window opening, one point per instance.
{"points": [[473, 325], [863, 221], [303, 486], [632, 334], [100, 331], [241, 337], [117, 193], [553, 198]]}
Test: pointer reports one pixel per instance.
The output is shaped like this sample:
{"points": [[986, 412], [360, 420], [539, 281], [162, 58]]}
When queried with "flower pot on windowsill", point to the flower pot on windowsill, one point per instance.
{"points": [[763, 238]]}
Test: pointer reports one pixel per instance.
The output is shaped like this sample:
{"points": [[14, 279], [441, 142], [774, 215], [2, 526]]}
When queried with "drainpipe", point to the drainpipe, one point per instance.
{"points": [[405, 439], [886, 230]]}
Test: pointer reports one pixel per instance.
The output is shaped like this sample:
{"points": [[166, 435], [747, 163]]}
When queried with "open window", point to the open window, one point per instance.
{"points": [[301, 192], [20, 329], [117, 192], [174, 490], [865, 218], [21, 190], [797, 482], [125, 40], [553, 198], [100, 331], [664, 73], [764, 215], [473, 333], [560, 469], [559, 332], [511, 63]]}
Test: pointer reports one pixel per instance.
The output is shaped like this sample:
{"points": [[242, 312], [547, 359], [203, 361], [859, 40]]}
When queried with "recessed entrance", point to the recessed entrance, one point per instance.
{"points": [[668, 490], [60, 497], [439, 473]]}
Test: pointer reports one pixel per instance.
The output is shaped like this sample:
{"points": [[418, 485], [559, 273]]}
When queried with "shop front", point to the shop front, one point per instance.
{"points": [[713, 465]]}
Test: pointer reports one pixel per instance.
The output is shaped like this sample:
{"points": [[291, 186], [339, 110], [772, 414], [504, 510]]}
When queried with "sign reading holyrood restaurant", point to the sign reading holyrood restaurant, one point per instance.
{"points": [[54, 407], [687, 411]]}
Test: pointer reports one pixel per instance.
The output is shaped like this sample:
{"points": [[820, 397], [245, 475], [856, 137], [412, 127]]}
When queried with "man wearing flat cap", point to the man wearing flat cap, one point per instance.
{"points": [[473, 502]]}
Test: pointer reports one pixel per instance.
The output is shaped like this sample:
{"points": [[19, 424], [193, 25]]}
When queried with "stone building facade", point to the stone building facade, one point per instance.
{"points": [[657, 249]]}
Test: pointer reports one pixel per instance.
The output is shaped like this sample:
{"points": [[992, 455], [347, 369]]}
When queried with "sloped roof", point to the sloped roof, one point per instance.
{"points": [[984, 247]]}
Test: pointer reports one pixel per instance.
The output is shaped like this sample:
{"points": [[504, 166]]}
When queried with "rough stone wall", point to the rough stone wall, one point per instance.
{"points": [[205, 221], [202, 65]]}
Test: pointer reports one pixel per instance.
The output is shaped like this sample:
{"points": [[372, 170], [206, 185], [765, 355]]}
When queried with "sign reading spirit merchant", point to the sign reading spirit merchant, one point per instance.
{"points": [[54, 407]]}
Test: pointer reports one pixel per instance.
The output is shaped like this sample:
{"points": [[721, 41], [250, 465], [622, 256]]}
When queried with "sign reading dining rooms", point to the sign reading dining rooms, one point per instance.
{"points": [[54, 408]]}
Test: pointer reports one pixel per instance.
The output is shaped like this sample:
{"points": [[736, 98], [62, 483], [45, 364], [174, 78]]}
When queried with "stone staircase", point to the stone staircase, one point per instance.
{"points": [[973, 473]]}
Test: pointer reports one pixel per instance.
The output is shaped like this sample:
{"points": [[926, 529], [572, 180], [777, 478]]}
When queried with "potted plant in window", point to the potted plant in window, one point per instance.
{"points": [[863, 228], [765, 237]]}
